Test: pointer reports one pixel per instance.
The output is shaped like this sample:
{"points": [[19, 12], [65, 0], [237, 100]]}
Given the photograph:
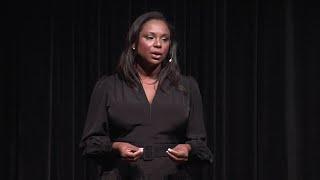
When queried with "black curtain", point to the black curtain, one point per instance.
{"points": [[256, 63]]}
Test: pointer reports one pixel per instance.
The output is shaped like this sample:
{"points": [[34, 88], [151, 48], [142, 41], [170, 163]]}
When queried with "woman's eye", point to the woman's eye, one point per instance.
{"points": [[149, 37], [165, 39]]}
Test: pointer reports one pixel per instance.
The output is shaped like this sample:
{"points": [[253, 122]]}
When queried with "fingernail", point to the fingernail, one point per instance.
{"points": [[141, 149], [169, 149]]}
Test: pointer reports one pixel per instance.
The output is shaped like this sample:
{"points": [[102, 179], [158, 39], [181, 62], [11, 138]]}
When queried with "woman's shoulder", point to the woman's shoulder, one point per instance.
{"points": [[188, 80], [106, 80]]}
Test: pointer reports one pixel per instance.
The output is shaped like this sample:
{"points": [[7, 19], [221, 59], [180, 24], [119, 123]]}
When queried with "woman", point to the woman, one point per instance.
{"points": [[145, 121]]}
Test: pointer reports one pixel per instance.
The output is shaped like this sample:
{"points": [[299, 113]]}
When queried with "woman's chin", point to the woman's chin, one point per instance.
{"points": [[155, 61]]}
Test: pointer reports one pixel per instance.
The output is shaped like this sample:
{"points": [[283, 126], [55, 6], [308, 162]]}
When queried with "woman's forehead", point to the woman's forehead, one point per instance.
{"points": [[155, 26]]}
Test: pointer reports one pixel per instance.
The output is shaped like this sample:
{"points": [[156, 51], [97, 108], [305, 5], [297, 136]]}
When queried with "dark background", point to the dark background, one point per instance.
{"points": [[256, 63]]}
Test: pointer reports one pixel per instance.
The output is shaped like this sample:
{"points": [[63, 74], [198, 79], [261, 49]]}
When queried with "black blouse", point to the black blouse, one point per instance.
{"points": [[118, 112]]}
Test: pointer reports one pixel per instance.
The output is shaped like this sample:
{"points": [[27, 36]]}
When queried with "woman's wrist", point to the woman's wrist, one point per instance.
{"points": [[115, 145], [188, 146]]}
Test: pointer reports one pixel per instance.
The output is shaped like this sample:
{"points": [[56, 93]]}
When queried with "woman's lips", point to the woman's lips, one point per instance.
{"points": [[156, 55]]}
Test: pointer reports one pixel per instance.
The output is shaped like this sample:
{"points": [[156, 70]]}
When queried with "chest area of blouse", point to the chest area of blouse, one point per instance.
{"points": [[150, 91], [130, 109]]}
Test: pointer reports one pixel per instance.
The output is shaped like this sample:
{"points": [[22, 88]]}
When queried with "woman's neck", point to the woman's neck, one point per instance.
{"points": [[148, 72]]}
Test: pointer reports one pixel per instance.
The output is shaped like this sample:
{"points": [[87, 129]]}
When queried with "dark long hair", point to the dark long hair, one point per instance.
{"points": [[126, 66]]}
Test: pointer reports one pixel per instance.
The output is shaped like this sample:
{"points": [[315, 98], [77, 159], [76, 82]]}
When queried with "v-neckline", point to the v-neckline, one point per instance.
{"points": [[146, 97]]}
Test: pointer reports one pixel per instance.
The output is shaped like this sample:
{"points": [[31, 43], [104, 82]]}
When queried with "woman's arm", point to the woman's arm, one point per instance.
{"points": [[95, 140], [196, 132]]}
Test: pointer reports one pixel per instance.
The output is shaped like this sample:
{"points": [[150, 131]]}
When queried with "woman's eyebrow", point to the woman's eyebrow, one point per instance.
{"points": [[153, 33]]}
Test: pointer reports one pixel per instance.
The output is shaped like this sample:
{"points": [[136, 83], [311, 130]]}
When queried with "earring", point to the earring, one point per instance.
{"points": [[133, 48], [170, 60]]}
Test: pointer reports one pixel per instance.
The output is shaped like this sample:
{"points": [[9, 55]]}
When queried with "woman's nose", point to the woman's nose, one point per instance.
{"points": [[157, 43]]}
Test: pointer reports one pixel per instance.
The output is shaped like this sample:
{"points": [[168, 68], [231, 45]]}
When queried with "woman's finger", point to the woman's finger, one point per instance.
{"points": [[138, 154], [132, 155], [176, 158], [178, 154], [173, 157]]}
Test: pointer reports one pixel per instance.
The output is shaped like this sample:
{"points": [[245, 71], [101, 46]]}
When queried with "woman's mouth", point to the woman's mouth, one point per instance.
{"points": [[156, 56]]}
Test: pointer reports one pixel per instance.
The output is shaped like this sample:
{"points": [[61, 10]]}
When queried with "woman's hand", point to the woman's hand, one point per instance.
{"points": [[127, 151], [180, 153]]}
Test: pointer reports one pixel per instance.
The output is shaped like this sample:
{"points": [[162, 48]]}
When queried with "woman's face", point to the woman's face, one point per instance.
{"points": [[154, 42]]}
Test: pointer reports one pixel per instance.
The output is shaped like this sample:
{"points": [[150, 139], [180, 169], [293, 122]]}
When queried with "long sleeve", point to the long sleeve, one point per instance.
{"points": [[95, 140], [196, 133]]}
